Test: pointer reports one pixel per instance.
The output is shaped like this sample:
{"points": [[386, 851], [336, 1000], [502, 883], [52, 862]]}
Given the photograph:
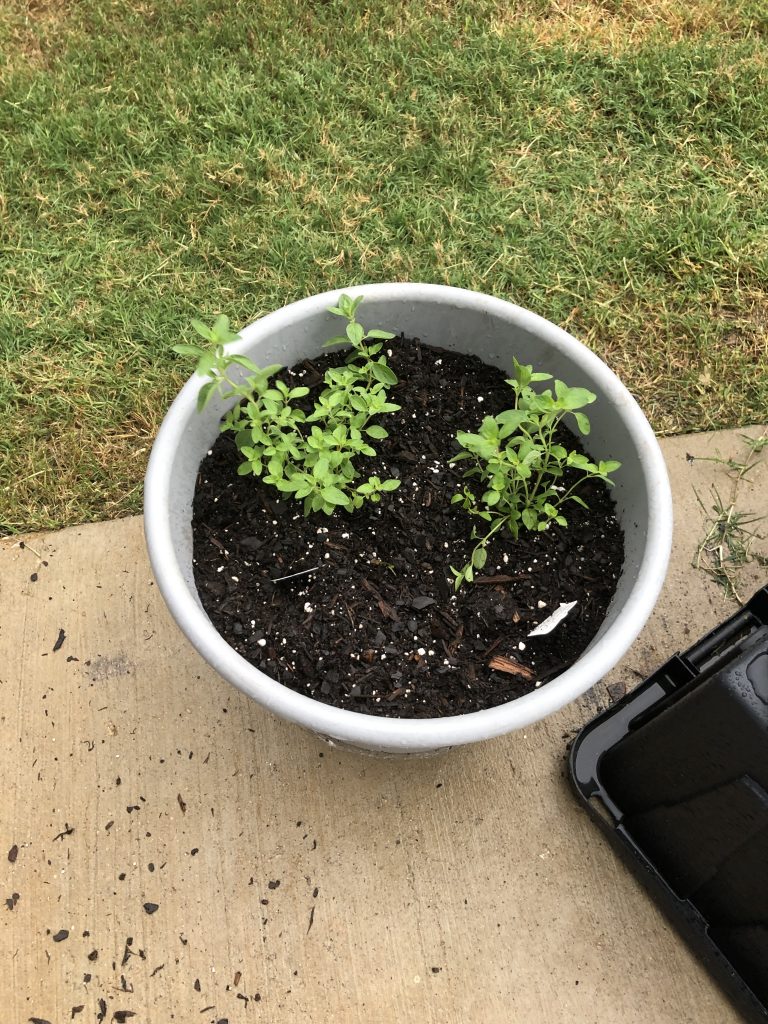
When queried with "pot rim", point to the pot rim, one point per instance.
{"points": [[397, 734]]}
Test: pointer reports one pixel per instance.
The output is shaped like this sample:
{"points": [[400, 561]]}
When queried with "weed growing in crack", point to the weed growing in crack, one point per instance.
{"points": [[727, 545]]}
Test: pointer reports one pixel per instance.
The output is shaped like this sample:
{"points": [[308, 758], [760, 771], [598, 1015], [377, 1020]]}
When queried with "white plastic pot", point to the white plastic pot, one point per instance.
{"points": [[463, 321]]}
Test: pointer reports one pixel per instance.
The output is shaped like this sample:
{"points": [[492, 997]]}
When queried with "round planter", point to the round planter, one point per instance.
{"points": [[464, 321]]}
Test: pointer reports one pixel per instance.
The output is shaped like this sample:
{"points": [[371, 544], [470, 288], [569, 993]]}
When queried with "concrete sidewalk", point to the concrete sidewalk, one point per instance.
{"points": [[179, 854]]}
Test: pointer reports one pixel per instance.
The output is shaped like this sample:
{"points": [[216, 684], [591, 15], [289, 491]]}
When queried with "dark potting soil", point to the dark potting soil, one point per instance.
{"points": [[375, 626]]}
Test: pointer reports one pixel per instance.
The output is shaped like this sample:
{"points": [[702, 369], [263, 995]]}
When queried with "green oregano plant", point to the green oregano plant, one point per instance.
{"points": [[308, 455], [312, 455], [519, 465]]}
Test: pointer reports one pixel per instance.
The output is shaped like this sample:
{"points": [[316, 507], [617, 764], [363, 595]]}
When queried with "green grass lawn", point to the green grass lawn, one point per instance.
{"points": [[604, 164]]}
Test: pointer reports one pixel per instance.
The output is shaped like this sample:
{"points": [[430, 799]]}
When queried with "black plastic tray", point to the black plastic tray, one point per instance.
{"points": [[677, 774]]}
